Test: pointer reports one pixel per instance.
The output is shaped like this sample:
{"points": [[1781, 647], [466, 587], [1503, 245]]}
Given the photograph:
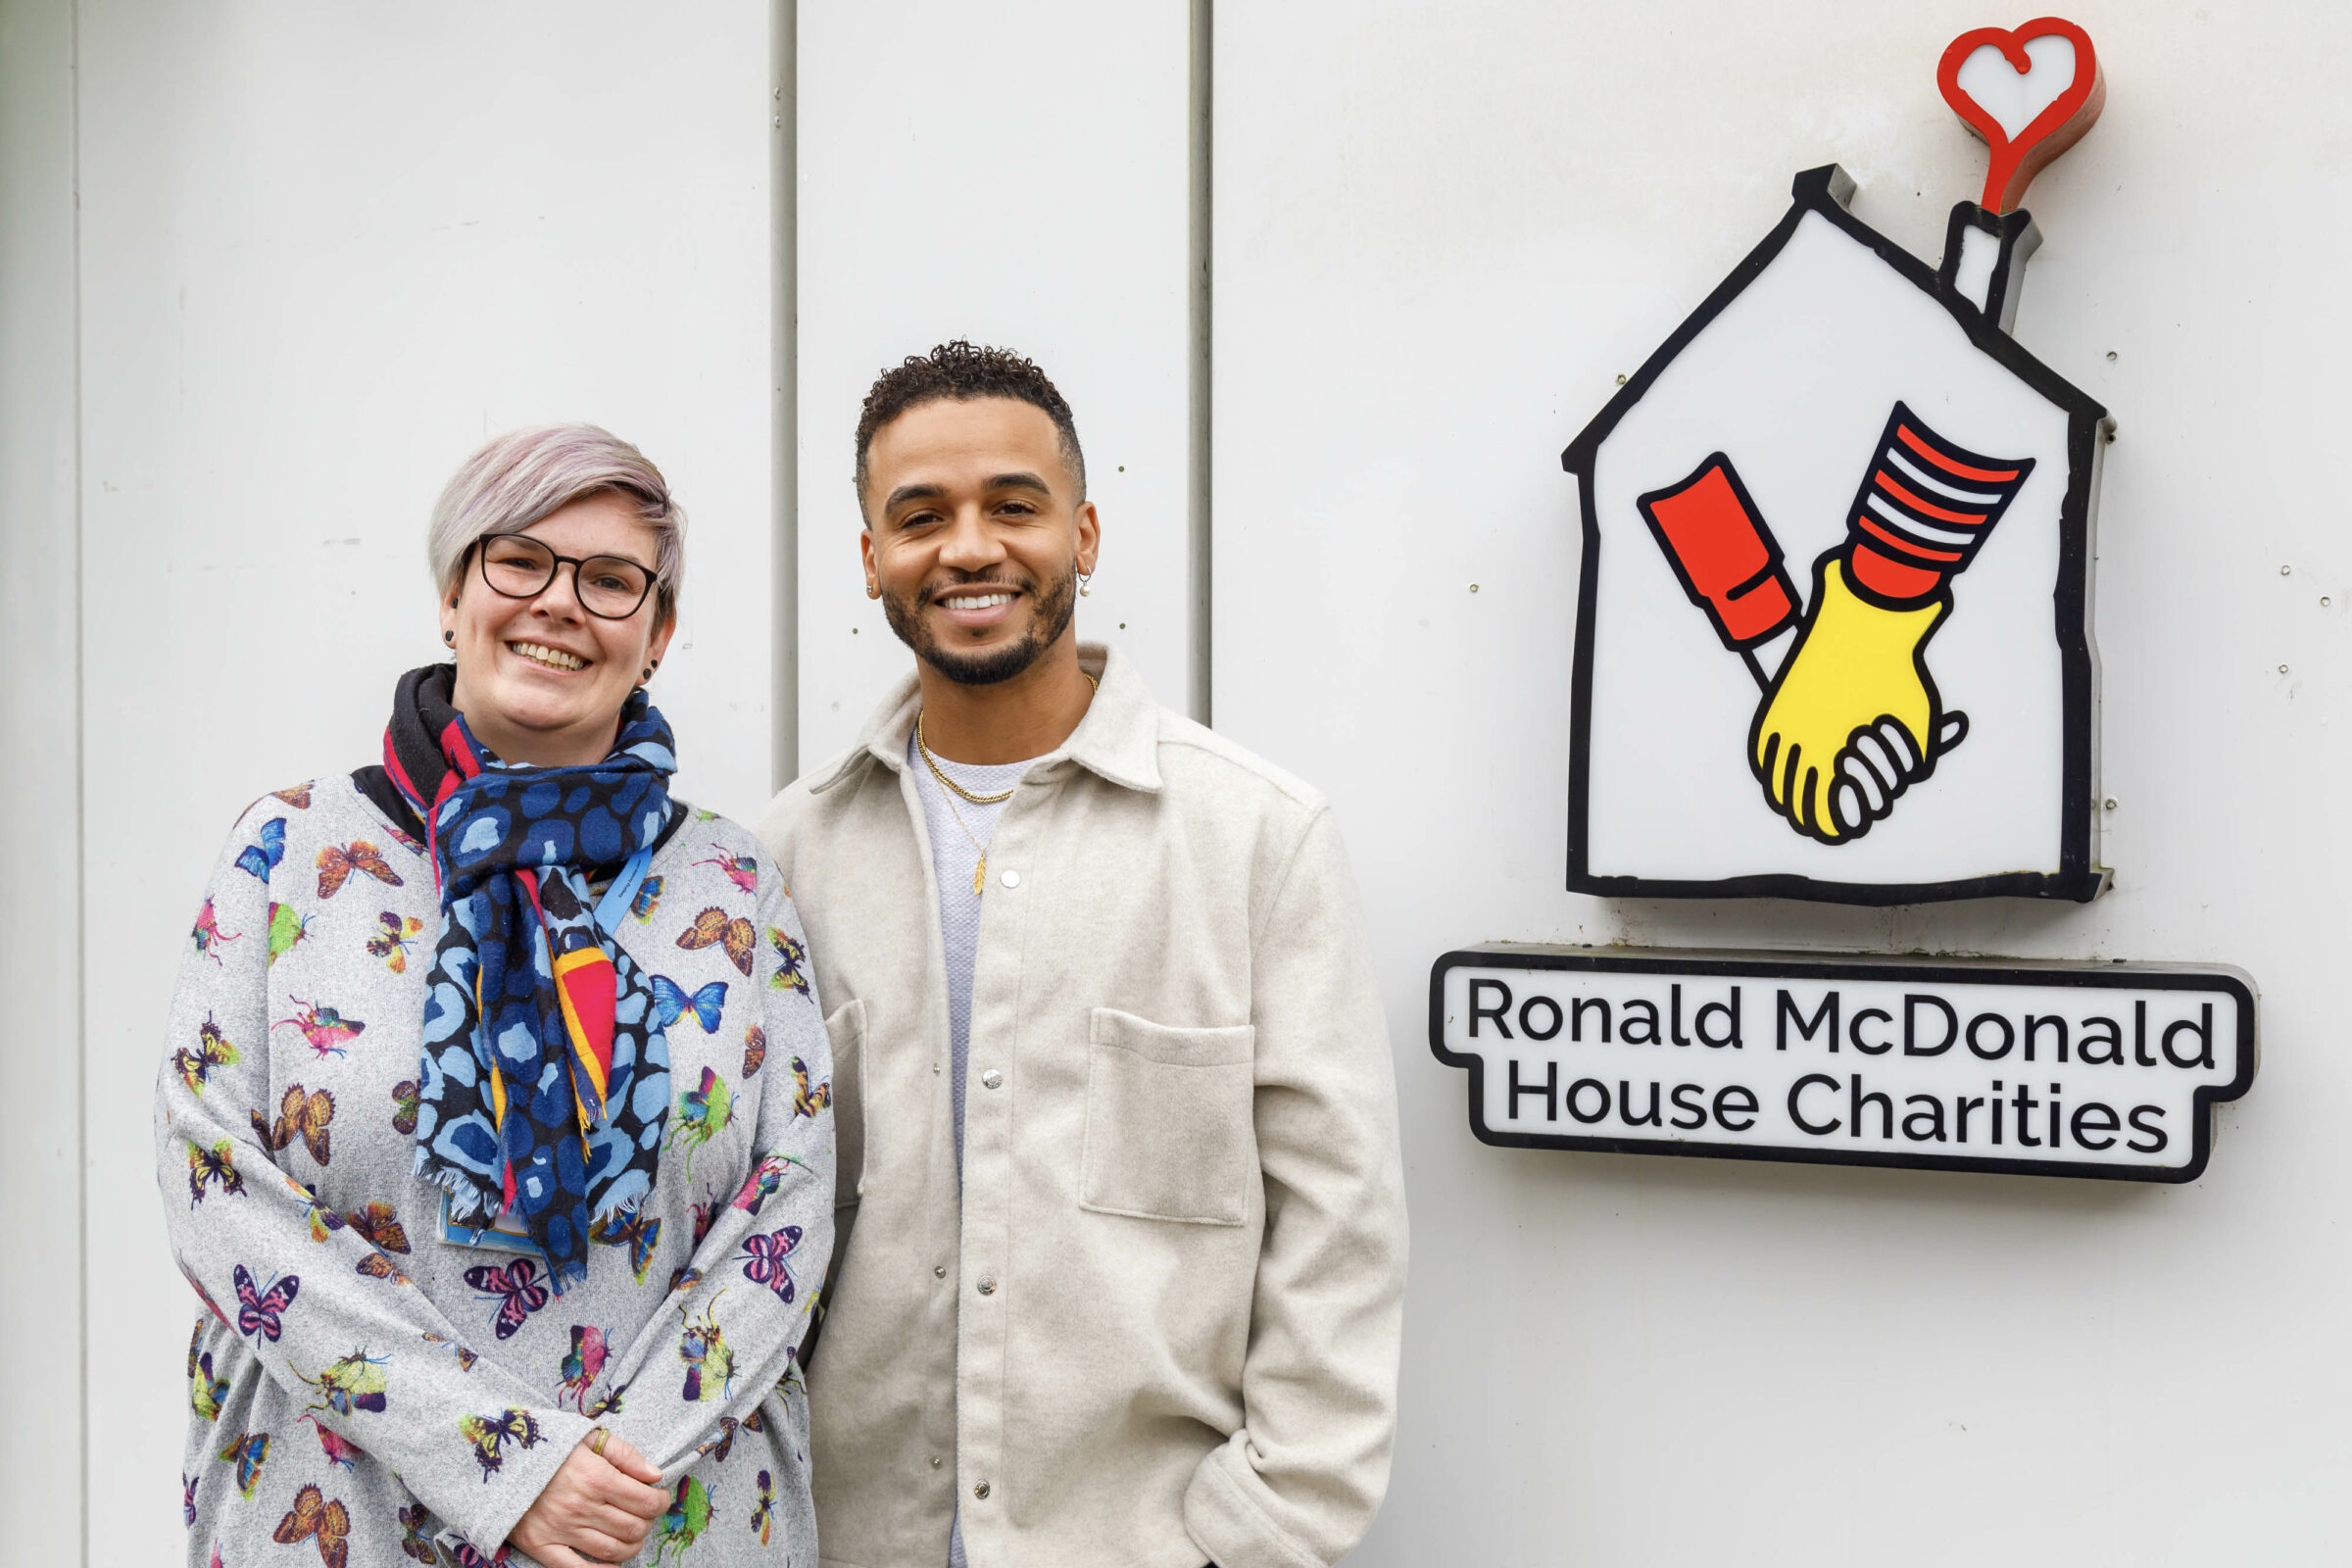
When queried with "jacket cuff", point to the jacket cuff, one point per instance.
{"points": [[486, 1515], [1227, 1523]]}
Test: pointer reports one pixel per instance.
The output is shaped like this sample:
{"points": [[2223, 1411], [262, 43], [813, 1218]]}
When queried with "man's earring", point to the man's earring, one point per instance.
{"points": [[1084, 578]]}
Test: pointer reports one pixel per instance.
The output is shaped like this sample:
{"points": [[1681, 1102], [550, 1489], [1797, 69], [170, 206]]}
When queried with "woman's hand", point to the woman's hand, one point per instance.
{"points": [[596, 1508]]}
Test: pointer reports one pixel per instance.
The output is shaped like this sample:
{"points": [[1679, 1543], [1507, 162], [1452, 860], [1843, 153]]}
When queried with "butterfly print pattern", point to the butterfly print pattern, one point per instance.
{"points": [[323, 1027], [740, 869], [768, 1260], [338, 1451], [765, 1178], [395, 935], [514, 1287], [288, 928], [208, 935], [490, 1433], [313, 1517], [292, 982], [248, 1453], [683, 1525], [205, 1391], [582, 1364], [718, 1448], [633, 1229], [671, 1001], [299, 1115], [733, 936], [336, 864], [704, 1212], [808, 1100], [208, 1165], [709, 1363], [466, 1358], [351, 1384], [764, 1511], [322, 1220], [648, 898], [260, 1311], [213, 1050], [414, 1542], [791, 961], [703, 1113], [260, 857], [380, 1224]]}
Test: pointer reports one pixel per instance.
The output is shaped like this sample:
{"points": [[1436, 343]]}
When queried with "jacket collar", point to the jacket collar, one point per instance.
{"points": [[1117, 738]]}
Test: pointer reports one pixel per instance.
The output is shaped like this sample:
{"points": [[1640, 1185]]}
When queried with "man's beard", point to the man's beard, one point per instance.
{"points": [[1056, 602]]}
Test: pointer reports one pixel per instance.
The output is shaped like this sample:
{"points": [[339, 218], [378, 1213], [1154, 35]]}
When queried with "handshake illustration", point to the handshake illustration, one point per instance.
{"points": [[1852, 718]]}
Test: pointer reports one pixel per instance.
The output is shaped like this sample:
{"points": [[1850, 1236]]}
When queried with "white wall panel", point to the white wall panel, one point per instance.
{"points": [[1441, 232], [1015, 174], [325, 251], [40, 842]]}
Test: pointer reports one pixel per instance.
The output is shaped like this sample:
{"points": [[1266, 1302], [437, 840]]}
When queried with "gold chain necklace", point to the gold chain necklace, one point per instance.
{"points": [[932, 762], [980, 869]]}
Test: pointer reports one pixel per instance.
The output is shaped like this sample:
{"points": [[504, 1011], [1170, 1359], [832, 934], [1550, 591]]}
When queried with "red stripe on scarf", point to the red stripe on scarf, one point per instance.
{"points": [[586, 987]]}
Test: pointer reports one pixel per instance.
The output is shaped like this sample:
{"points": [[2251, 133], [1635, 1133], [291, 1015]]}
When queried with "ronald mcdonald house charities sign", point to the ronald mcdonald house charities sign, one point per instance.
{"points": [[1834, 641], [2057, 1071]]}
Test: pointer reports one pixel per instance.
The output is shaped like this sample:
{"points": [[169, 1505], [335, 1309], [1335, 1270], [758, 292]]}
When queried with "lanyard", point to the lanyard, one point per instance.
{"points": [[617, 898]]}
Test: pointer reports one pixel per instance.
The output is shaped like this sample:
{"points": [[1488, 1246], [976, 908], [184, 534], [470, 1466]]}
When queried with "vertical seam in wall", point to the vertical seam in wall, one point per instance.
{"points": [[784, 165], [81, 863], [1197, 278]]}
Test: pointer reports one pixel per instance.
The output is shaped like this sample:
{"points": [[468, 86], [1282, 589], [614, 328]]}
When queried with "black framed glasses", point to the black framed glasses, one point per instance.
{"points": [[515, 565]]}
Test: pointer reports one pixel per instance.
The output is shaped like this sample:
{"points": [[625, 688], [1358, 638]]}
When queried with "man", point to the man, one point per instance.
{"points": [[1115, 1099]]}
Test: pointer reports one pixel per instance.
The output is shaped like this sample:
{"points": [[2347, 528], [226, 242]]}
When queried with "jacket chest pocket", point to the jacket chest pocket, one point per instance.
{"points": [[1168, 1125]]}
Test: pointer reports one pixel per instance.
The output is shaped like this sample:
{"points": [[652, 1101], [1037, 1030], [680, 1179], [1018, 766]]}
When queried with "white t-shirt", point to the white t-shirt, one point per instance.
{"points": [[955, 857], [958, 830]]}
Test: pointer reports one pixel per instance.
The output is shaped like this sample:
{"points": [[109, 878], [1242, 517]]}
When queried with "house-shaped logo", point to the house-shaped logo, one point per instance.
{"points": [[1834, 626]]}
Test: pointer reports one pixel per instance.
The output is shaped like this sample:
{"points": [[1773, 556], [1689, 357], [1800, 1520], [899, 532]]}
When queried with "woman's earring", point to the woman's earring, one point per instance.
{"points": [[450, 637], [648, 673]]}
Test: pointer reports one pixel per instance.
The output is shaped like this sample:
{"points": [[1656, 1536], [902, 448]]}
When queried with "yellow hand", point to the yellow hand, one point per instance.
{"points": [[1853, 719]]}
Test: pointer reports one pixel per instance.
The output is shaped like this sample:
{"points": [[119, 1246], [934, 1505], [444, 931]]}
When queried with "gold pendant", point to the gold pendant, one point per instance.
{"points": [[979, 873]]}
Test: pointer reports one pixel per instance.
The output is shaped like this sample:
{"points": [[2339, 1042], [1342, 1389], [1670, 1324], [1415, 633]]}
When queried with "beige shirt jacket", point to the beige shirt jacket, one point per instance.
{"points": [[1160, 1324]]}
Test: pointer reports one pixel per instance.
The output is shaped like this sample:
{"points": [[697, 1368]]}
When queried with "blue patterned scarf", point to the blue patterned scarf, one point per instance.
{"points": [[545, 1084]]}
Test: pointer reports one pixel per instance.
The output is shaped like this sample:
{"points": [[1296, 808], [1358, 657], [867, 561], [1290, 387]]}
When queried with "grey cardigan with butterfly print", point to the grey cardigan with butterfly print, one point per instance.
{"points": [[355, 1378]]}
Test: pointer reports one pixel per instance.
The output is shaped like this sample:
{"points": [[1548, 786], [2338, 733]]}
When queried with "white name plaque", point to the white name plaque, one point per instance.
{"points": [[2105, 1069]]}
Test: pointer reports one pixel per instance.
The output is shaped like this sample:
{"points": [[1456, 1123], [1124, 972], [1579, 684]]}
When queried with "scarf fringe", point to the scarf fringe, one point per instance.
{"points": [[466, 1199]]}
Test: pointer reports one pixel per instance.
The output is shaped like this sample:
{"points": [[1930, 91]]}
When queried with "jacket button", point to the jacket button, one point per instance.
{"points": [[981, 1492], [987, 1286], [1011, 879], [938, 1271], [935, 1461], [992, 1079]]}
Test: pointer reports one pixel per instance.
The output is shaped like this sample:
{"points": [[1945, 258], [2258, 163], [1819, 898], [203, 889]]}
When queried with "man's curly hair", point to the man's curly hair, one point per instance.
{"points": [[962, 371]]}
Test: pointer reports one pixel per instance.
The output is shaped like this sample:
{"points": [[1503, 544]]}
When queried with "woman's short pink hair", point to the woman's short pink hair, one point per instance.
{"points": [[524, 476]]}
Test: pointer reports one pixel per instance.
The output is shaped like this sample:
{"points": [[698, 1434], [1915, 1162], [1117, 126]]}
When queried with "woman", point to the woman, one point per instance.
{"points": [[494, 1129]]}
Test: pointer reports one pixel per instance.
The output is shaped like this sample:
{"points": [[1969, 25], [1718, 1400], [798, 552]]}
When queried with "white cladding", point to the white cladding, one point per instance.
{"points": [[1441, 234]]}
